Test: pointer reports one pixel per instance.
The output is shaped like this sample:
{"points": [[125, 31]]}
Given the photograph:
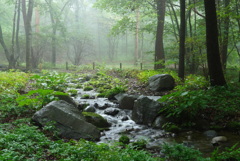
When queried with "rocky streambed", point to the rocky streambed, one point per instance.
{"points": [[133, 115]]}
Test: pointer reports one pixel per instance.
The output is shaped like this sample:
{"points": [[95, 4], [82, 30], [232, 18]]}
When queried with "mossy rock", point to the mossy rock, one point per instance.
{"points": [[233, 126], [96, 120]]}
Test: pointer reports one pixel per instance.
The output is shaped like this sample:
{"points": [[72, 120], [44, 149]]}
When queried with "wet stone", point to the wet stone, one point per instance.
{"points": [[111, 111]]}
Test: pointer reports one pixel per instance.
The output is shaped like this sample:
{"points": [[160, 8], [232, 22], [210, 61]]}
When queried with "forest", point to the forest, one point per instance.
{"points": [[120, 80]]}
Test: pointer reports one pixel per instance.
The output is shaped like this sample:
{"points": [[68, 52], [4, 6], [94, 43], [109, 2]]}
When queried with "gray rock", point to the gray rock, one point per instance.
{"points": [[161, 82], [159, 122], [218, 139], [96, 120], [125, 118], [69, 121], [210, 133], [146, 109], [90, 109], [68, 99], [126, 101], [111, 111]]}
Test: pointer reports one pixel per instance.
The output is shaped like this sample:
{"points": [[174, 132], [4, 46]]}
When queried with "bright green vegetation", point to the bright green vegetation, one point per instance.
{"points": [[216, 104], [23, 94]]}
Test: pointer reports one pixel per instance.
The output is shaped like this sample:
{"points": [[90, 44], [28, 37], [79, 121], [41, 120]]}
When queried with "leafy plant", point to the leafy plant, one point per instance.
{"points": [[36, 99], [214, 104], [51, 80], [179, 152]]}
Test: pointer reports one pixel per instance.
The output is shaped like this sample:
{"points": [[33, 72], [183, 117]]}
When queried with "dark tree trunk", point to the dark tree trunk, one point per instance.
{"points": [[182, 40], [213, 55], [159, 49], [27, 17], [224, 46]]}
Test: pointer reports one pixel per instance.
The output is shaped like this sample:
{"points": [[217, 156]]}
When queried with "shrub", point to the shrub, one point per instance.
{"points": [[179, 152]]}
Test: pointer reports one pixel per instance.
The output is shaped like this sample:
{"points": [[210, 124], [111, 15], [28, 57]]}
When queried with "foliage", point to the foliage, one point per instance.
{"points": [[146, 74], [21, 141], [124, 139], [36, 99], [214, 104], [11, 82], [231, 153], [179, 152], [51, 80], [112, 92], [193, 82]]}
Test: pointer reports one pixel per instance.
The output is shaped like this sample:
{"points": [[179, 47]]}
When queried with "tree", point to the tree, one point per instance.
{"points": [[159, 49], [27, 18], [182, 40], [213, 55]]}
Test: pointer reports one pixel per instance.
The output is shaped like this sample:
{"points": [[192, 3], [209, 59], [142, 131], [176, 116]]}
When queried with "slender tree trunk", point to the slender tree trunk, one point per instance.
{"points": [[213, 55], [181, 69], [159, 48], [17, 30], [27, 17], [224, 46], [7, 54], [136, 51]]}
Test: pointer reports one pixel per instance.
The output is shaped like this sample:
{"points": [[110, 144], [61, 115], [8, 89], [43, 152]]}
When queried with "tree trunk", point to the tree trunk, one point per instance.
{"points": [[213, 55], [224, 46], [17, 30], [182, 40], [136, 51], [27, 17], [159, 49]]}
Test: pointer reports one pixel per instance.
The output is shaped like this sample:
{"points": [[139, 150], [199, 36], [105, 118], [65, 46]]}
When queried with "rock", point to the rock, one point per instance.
{"points": [[96, 120], [111, 111], [218, 139], [161, 82], [67, 99], [159, 122], [102, 106], [125, 118], [90, 109], [146, 109], [126, 101], [69, 121], [210, 133]]}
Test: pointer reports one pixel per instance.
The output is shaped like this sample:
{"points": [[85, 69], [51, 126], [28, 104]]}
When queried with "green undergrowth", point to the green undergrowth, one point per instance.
{"points": [[22, 141], [215, 104]]}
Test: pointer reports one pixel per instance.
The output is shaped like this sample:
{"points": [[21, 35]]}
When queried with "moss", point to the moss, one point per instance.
{"points": [[96, 119], [85, 96], [88, 88]]}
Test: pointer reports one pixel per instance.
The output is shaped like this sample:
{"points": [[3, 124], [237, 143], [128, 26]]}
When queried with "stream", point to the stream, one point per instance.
{"points": [[121, 123]]}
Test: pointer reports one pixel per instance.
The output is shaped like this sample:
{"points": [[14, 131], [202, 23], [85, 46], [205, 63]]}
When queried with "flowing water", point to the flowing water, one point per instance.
{"points": [[121, 123]]}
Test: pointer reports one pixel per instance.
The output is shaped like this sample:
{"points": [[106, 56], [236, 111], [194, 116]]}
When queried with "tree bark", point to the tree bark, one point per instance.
{"points": [[27, 17], [136, 51], [159, 48], [213, 55], [181, 69], [224, 46]]}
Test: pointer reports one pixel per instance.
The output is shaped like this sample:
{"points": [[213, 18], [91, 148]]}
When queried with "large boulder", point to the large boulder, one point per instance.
{"points": [[126, 101], [146, 109], [161, 82], [68, 120]]}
